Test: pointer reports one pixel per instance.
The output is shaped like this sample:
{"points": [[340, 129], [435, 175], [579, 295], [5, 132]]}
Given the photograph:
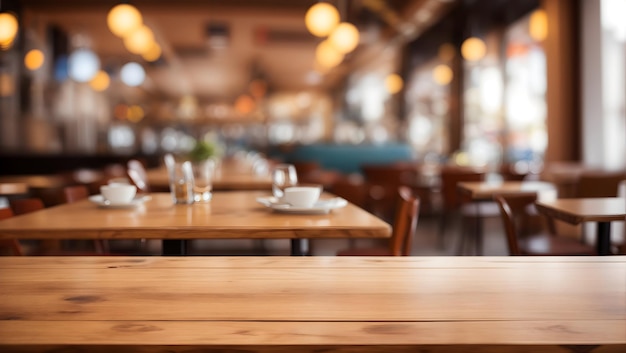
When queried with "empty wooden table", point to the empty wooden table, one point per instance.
{"points": [[229, 215], [486, 190], [313, 304], [602, 210], [10, 189]]}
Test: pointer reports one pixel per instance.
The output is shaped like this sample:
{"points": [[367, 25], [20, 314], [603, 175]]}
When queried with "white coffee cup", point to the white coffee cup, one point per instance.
{"points": [[302, 196], [118, 193]]}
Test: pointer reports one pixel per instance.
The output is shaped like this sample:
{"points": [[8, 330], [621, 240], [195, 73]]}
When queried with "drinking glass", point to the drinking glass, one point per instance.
{"points": [[203, 180], [181, 182], [283, 176]]}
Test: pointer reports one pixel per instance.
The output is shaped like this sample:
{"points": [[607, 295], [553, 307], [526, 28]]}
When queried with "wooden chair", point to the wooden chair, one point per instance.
{"points": [[351, 188], [404, 227], [454, 203], [306, 170], [383, 181], [76, 193], [26, 205], [517, 212], [12, 244], [48, 247], [599, 184], [33, 204]]}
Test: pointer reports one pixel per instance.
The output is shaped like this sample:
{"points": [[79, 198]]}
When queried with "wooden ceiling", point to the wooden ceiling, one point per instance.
{"points": [[267, 39]]}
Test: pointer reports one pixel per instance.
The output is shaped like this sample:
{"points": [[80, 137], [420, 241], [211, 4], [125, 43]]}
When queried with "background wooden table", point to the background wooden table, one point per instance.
{"points": [[229, 215], [287, 304], [603, 210]]}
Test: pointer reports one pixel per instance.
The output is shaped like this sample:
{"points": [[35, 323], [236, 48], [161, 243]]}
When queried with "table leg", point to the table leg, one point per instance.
{"points": [[299, 247], [174, 247], [603, 240]]}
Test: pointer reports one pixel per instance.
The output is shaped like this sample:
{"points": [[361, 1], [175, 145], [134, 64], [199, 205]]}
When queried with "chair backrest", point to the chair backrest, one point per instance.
{"points": [[517, 212], [27, 205], [450, 177], [351, 188], [75, 193], [599, 184], [405, 222], [306, 170], [382, 181], [138, 175], [13, 244]]}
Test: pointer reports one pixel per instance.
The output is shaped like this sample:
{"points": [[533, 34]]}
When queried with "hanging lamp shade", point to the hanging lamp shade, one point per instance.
{"points": [[473, 49], [139, 41], [321, 19], [327, 56], [8, 28], [123, 19], [345, 37], [34, 59]]}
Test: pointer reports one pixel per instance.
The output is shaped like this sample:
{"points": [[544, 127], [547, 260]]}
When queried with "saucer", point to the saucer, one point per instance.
{"points": [[101, 202], [322, 206]]}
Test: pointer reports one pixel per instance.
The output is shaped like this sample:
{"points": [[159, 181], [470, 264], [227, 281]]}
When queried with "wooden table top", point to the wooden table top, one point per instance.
{"points": [[251, 302], [577, 210], [13, 188], [485, 190], [36, 181], [229, 215]]}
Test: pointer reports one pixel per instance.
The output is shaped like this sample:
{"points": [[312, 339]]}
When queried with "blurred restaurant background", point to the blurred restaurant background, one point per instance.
{"points": [[469, 82]]}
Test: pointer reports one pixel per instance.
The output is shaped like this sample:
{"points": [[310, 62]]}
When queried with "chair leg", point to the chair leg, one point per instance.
{"points": [[442, 230]]}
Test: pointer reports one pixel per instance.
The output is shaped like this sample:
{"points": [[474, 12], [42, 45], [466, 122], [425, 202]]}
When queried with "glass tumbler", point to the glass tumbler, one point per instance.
{"points": [[283, 176]]}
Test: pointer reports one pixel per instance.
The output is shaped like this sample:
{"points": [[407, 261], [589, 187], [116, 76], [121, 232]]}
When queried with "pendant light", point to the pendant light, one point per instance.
{"points": [[8, 29], [538, 25], [473, 49], [122, 19], [321, 19], [345, 37]]}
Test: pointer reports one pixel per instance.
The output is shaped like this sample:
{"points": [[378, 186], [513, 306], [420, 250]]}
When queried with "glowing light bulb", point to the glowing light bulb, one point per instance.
{"points": [[34, 59], [345, 37], [473, 49], [123, 19], [321, 19]]}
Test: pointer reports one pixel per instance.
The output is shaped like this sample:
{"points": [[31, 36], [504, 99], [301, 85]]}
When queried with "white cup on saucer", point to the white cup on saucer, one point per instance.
{"points": [[118, 193], [302, 196]]}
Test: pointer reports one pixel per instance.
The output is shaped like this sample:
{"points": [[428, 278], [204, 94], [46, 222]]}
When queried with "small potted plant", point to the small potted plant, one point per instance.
{"points": [[202, 151]]}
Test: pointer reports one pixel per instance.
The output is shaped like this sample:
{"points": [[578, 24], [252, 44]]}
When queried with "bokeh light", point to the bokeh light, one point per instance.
{"points": [[321, 19], [100, 81], [123, 19], [132, 74], [34, 59], [83, 65]]}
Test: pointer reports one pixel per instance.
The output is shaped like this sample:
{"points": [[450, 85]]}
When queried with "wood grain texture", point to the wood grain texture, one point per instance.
{"points": [[229, 215], [334, 303], [577, 210]]}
